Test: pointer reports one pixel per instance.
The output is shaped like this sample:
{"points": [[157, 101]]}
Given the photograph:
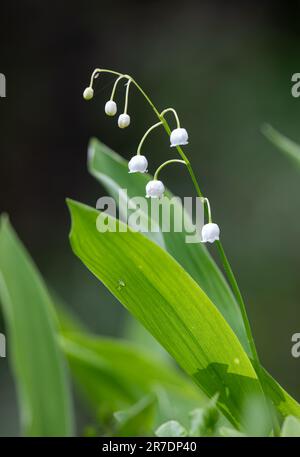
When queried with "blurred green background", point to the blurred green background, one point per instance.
{"points": [[226, 68]]}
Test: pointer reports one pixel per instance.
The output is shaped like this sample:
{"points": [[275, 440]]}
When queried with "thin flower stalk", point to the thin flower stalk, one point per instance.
{"points": [[168, 162], [145, 136]]}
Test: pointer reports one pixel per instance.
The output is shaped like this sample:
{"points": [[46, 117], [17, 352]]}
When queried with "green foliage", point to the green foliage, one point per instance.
{"points": [[202, 422], [255, 417], [176, 291], [171, 429], [111, 170], [291, 427], [227, 432], [39, 368], [138, 420], [171, 305], [115, 374]]}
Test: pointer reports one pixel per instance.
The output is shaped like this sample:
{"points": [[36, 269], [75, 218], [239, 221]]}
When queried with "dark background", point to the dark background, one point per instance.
{"points": [[226, 67]]}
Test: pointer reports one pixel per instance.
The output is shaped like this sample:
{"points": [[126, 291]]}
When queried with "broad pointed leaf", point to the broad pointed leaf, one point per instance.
{"points": [[170, 304], [38, 363]]}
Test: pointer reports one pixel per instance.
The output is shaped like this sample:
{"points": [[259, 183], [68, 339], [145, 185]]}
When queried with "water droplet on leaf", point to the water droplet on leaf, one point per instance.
{"points": [[121, 284]]}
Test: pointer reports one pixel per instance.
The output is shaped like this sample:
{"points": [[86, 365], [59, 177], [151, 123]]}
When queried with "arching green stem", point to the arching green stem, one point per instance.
{"points": [[112, 96], [206, 201], [165, 164], [167, 110], [97, 71], [145, 136], [126, 96]]}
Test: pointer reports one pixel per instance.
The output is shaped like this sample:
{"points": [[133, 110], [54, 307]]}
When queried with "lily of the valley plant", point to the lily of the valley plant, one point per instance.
{"points": [[173, 288], [155, 188]]}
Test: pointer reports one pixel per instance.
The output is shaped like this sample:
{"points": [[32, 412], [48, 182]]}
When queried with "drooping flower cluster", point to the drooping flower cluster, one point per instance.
{"points": [[139, 163], [111, 106]]}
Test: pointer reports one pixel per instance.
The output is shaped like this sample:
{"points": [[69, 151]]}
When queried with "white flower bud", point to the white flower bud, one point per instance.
{"points": [[110, 108], [138, 164], [179, 137], [155, 189], [210, 233], [88, 93], [123, 121]]}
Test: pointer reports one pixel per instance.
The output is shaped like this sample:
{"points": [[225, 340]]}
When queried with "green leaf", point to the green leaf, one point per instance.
{"points": [[284, 144], [111, 170], [171, 429], [284, 403], [38, 364], [231, 433], [291, 427], [133, 331], [170, 304], [203, 421], [114, 374], [256, 417], [138, 420]]}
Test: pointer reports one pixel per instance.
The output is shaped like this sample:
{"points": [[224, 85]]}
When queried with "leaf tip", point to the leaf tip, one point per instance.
{"points": [[71, 204], [4, 220], [91, 151], [267, 129]]}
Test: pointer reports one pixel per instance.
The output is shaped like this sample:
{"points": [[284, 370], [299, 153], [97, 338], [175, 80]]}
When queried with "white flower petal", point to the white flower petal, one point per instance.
{"points": [[110, 108], [155, 189], [88, 93], [179, 137], [210, 233], [138, 164], [123, 120]]}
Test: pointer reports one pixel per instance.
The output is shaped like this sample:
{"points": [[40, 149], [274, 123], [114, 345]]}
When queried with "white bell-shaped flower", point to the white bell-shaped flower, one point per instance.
{"points": [[123, 120], [138, 164], [88, 93], [155, 189], [110, 108], [179, 137], [210, 233]]}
